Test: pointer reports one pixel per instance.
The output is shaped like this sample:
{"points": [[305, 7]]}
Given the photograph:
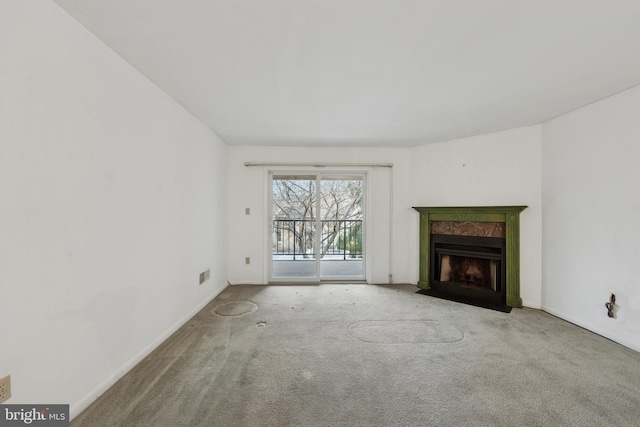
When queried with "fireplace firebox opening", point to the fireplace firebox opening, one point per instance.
{"points": [[472, 272], [468, 268]]}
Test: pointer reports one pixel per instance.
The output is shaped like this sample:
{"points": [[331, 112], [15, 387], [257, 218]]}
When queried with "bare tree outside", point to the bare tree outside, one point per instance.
{"points": [[341, 209], [295, 214]]}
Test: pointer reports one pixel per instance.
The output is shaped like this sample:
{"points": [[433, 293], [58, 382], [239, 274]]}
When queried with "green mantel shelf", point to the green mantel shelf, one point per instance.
{"points": [[510, 215]]}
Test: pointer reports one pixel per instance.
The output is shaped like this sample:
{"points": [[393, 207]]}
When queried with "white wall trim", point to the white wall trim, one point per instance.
{"points": [[76, 408], [592, 328]]}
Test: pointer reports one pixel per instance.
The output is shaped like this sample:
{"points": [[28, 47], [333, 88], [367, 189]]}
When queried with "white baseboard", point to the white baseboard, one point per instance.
{"points": [[76, 408], [592, 328]]}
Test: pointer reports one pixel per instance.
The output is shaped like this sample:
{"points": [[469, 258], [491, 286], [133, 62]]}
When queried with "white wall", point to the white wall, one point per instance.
{"points": [[496, 169], [112, 201], [591, 203], [248, 188]]}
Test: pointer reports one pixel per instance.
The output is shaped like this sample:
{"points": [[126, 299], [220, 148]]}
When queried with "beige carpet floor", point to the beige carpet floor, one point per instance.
{"points": [[365, 355]]}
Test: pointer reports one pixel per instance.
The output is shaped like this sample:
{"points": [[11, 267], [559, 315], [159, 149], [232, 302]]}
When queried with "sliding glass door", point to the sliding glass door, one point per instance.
{"points": [[317, 227]]}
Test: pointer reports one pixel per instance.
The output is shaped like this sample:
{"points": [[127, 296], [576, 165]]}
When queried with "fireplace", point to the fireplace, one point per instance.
{"points": [[468, 268], [471, 255]]}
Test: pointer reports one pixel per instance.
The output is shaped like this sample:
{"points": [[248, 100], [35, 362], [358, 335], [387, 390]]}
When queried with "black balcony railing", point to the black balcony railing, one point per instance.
{"points": [[296, 238]]}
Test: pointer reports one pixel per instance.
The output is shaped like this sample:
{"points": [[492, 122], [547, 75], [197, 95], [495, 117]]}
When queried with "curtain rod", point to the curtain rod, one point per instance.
{"points": [[323, 165]]}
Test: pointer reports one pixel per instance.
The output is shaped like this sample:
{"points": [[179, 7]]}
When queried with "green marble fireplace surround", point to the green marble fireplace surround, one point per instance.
{"points": [[506, 219]]}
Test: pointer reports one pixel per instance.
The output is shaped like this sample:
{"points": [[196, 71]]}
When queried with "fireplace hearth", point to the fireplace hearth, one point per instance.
{"points": [[471, 255]]}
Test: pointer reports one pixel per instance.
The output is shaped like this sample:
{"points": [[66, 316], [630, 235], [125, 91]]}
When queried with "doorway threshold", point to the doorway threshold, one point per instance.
{"points": [[321, 282], [344, 282]]}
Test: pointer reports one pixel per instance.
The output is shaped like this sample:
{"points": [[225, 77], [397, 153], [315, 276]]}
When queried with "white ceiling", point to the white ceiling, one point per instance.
{"points": [[372, 72]]}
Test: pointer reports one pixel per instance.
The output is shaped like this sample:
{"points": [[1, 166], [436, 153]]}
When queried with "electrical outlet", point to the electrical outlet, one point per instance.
{"points": [[5, 388], [247, 260], [202, 278]]}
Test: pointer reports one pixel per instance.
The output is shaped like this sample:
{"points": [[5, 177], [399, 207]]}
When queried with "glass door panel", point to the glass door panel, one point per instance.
{"points": [[341, 210], [294, 201]]}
